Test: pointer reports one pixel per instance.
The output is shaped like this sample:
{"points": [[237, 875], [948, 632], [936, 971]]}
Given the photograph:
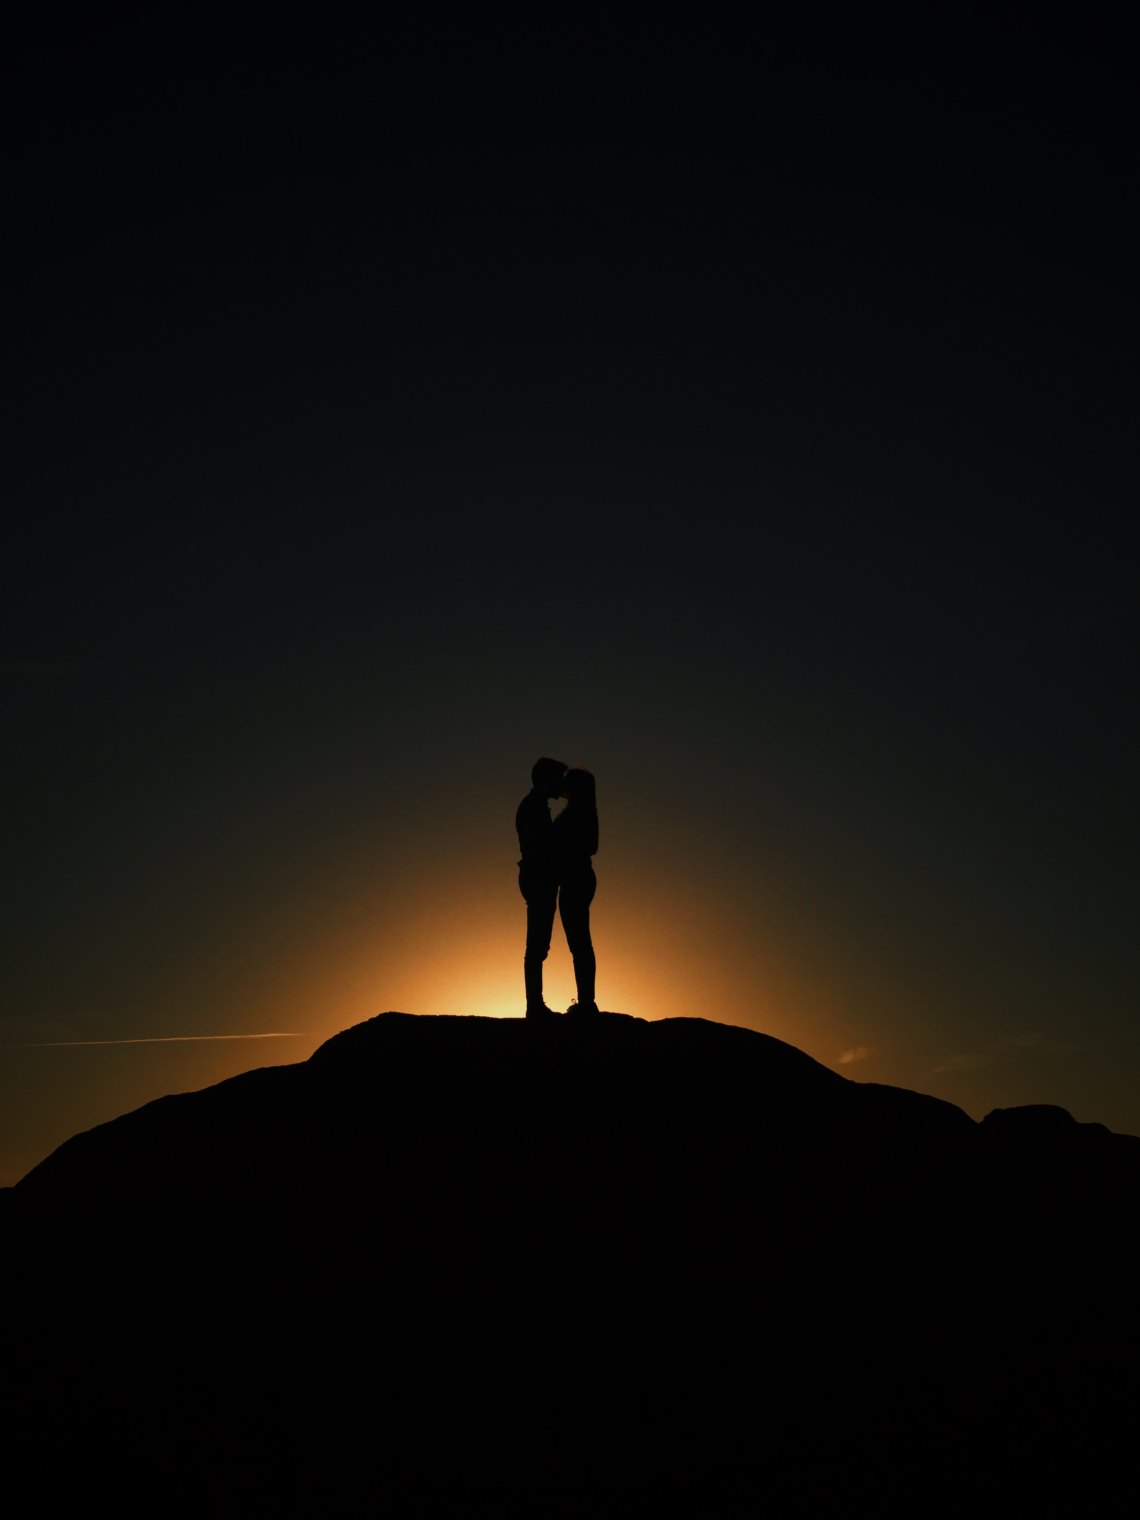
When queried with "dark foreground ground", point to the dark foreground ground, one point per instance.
{"points": [[474, 1267]]}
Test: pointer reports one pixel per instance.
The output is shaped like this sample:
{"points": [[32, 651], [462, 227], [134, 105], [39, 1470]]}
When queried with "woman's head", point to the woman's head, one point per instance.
{"points": [[578, 785]]}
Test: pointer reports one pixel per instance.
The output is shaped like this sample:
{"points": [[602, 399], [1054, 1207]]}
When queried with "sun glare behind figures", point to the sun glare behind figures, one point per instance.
{"points": [[656, 959], [449, 940]]}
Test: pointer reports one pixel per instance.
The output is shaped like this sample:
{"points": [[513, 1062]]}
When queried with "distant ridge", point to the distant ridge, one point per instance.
{"points": [[472, 1266]]}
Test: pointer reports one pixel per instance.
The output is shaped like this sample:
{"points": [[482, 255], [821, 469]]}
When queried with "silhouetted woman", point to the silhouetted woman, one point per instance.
{"points": [[576, 840]]}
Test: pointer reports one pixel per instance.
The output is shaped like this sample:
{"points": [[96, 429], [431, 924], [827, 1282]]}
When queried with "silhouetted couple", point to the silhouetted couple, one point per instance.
{"points": [[556, 871]]}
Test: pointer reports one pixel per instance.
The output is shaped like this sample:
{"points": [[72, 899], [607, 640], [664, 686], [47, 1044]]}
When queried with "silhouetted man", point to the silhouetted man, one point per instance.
{"points": [[538, 876]]}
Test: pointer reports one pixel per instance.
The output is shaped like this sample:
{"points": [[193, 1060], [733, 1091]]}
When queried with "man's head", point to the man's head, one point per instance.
{"points": [[546, 776]]}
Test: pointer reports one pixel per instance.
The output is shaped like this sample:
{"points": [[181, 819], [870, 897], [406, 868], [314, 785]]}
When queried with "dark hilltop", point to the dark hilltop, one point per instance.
{"points": [[606, 1267]]}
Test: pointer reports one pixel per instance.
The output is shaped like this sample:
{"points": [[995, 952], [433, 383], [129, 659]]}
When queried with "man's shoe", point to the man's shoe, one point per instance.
{"points": [[542, 1012], [583, 1010]]}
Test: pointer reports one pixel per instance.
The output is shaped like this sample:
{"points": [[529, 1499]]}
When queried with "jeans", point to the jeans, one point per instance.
{"points": [[572, 897]]}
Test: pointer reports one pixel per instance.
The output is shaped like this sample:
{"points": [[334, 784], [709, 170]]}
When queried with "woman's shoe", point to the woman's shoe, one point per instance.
{"points": [[583, 1010], [542, 1012]]}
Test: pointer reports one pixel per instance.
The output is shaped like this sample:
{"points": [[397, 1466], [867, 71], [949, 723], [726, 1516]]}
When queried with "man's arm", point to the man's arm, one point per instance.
{"points": [[534, 826]]}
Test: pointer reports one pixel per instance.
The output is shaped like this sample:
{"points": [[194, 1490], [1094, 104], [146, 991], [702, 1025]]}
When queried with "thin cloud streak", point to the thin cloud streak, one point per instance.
{"points": [[157, 1039]]}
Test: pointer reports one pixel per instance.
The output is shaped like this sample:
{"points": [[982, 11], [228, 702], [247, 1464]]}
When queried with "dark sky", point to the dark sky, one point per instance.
{"points": [[745, 415]]}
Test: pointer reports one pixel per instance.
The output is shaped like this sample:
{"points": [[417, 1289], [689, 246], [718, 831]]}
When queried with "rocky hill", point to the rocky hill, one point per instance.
{"points": [[469, 1265]]}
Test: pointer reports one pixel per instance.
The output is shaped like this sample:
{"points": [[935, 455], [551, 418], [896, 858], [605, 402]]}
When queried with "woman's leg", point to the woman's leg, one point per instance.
{"points": [[574, 899]]}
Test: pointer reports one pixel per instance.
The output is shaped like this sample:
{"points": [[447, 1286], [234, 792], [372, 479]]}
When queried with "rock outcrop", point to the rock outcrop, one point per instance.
{"points": [[477, 1266]]}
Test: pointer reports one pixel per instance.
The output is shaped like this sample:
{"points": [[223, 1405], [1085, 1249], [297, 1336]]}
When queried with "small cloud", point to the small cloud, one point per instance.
{"points": [[859, 1053]]}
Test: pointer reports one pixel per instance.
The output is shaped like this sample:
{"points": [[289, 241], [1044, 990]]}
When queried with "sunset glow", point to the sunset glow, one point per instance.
{"points": [[736, 467]]}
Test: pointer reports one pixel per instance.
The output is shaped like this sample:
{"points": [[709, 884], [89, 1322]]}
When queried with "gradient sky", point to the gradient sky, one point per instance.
{"points": [[743, 416]]}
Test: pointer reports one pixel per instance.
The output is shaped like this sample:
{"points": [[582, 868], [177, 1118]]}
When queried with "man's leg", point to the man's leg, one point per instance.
{"points": [[541, 897]]}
